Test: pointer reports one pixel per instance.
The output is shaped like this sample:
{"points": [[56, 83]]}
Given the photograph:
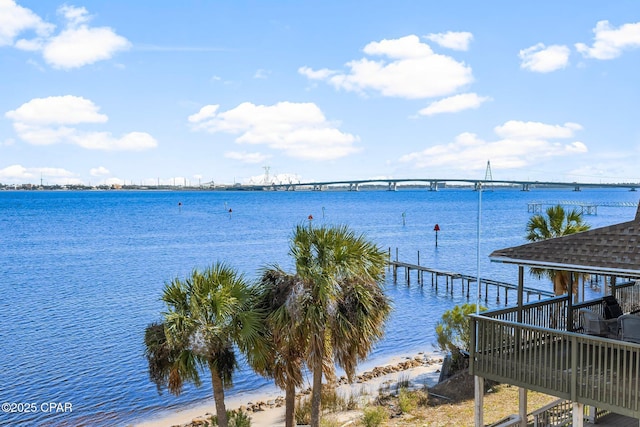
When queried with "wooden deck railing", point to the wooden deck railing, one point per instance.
{"points": [[551, 313], [591, 370], [548, 313]]}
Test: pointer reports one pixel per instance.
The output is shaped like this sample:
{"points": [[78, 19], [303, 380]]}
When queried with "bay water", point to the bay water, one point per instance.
{"points": [[81, 274]]}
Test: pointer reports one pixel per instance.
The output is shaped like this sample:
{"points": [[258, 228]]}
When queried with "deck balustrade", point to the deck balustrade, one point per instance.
{"points": [[533, 348]]}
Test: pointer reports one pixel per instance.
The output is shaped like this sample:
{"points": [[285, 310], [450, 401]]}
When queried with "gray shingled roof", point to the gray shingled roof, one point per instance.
{"points": [[614, 250]]}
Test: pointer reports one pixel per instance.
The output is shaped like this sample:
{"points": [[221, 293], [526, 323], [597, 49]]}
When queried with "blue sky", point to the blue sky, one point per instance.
{"points": [[190, 92]]}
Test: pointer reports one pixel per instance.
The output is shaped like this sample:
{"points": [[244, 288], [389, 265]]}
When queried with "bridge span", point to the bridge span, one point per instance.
{"points": [[433, 184]]}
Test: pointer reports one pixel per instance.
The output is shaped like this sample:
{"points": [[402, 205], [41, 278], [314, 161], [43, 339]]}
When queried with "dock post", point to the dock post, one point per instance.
{"points": [[419, 280]]}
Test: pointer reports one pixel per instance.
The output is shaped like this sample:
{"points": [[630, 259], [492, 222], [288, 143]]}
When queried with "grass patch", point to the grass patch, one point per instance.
{"points": [[331, 402], [433, 412]]}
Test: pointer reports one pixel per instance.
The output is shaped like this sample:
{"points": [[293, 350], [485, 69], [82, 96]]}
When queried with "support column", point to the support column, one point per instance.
{"points": [[522, 406], [591, 414], [578, 414], [478, 408], [520, 291]]}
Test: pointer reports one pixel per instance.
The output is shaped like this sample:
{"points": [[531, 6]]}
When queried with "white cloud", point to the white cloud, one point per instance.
{"points": [[75, 16], [456, 40], [322, 74], [412, 70], [66, 109], [53, 120], [515, 129], [454, 104], [76, 45], [543, 59], [244, 157], [261, 74], [99, 171], [132, 141], [609, 42], [15, 19], [79, 44], [207, 112], [402, 48], [519, 144], [21, 174], [300, 130]]}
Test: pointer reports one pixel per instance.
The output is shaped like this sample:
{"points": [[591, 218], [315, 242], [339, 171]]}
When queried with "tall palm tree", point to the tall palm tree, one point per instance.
{"points": [[556, 223], [340, 303], [286, 337], [207, 314]]}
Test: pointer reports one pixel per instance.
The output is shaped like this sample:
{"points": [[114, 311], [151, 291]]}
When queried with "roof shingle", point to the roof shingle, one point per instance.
{"points": [[613, 249]]}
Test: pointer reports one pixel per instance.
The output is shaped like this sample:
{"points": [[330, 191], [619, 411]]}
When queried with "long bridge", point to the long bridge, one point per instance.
{"points": [[433, 184]]}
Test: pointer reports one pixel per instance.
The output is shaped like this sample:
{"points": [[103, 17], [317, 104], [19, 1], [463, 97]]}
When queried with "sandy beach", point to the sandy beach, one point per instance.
{"points": [[422, 369]]}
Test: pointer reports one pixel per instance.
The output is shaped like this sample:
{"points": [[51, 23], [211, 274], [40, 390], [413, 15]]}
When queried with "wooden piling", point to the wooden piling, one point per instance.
{"points": [[488, 284]]}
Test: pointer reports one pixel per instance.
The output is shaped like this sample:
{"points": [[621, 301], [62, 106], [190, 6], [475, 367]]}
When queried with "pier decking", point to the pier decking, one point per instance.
{"points": [[468, 284], [587, 208]]}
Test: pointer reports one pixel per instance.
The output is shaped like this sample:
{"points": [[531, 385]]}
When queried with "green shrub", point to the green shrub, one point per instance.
{"points": [[235, 419], [329, 422], [407, 401], [453, 332], [239, 419], [374, 416], [303, 411]]}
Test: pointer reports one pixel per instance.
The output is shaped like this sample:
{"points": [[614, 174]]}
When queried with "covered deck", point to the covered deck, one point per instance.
{"points": [[543, 346]]}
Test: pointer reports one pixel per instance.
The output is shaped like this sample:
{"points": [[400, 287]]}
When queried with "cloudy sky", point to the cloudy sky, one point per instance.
{"points": [[143, 92]]}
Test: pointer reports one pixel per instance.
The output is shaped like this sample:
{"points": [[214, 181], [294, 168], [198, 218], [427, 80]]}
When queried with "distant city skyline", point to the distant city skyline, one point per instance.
{"points": [[102, 93]]}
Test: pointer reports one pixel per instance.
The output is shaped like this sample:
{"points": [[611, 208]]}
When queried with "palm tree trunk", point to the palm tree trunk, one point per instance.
{"points": [[218, 396], [290, 405], [316, 393]]}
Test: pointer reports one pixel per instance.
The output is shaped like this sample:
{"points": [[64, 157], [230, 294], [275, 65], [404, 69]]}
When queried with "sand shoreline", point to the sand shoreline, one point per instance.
{"points": [[422, 369]]}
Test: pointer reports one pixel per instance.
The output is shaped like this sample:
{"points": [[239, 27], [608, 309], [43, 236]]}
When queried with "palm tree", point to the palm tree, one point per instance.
{"points": [[285, 335], [207, 314], [557, 223], [340, 304]]}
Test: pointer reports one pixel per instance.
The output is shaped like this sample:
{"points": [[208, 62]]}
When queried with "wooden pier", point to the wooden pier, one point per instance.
{"points": [[465, 282]]}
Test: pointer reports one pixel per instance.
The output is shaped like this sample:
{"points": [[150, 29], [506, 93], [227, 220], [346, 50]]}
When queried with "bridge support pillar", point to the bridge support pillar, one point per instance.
{"points": [[353, 186], [525, 187], [393, 186], [433, 185]]}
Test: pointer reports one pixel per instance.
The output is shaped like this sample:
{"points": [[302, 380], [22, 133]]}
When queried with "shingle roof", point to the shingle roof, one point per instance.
{"points": [[614, 249]]}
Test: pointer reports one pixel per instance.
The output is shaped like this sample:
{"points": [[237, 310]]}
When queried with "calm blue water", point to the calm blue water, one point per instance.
{"points": [[82, 272]]}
